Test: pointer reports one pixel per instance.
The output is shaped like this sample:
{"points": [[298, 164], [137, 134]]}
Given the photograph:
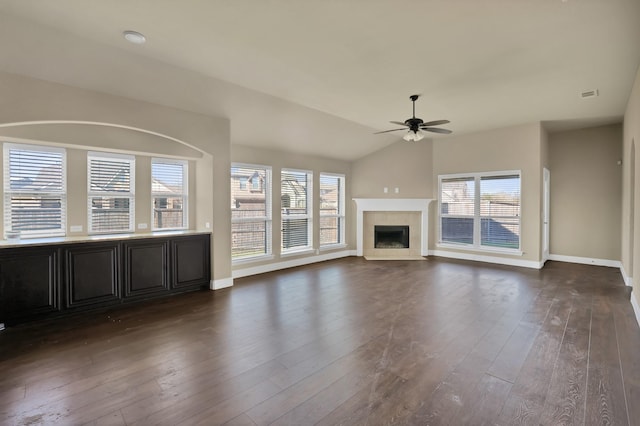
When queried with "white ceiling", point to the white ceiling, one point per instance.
{"points": [[480, 63]]}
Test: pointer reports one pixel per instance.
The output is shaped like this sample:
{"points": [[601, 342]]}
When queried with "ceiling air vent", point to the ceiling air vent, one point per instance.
{"points": [[589, 94]]}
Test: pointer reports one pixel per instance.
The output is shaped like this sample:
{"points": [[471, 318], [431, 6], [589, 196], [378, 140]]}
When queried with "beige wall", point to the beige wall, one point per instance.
{"points": [[279, 160], [403, 165], [90, 120], [511, 148], [631, 190], [586, 193]]}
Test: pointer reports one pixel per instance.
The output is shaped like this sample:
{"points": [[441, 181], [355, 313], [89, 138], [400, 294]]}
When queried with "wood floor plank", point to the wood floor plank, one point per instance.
{"points": [[343, 342], [488, 398], [628, 337], [564, 403], [456, 393], [527, 397], [605, 399]]}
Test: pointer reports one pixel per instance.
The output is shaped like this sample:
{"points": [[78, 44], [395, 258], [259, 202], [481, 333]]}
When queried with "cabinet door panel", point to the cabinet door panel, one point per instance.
{"points": [[92, 274], [28, 283], [190, 261], [146, 267]]}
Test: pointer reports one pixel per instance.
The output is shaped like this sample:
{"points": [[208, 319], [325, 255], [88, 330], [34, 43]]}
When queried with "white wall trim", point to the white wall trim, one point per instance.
{"points": [[270, 267], [488, 259], [627, 279], [221, 283], [586, 260], [636, 308]]}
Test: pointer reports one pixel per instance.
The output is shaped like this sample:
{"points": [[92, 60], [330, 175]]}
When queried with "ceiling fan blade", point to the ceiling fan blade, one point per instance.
{"points": [[436, 130], [387, 131], [398, 122], [435, 123]]}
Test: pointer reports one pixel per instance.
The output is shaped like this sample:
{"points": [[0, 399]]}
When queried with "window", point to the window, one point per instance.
{"points": [[111, 192], [296, 210], [332, 216], [34, 190], [481, 210], [250, 211], [169, 189]]}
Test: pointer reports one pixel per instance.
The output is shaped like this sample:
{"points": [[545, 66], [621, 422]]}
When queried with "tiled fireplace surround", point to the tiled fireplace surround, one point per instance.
{"points": [[393, 211]]}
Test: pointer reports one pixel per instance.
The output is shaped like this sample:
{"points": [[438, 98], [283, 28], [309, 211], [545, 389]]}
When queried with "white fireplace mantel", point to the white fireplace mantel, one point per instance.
{"points": [[394, 205]]}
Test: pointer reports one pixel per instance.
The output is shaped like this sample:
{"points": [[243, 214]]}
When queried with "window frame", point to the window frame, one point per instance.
{"points": [[341, 215], [184, 194], [131, 159], [266, 219], [477, 217], [8, 193], [308, 216]]}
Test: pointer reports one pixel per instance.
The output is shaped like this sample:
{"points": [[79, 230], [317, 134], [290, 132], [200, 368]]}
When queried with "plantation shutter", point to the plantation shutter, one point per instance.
{"points": [[250, 211], [296, 209], [169, 193], [331, 209], [34, 190], [111, 193]]}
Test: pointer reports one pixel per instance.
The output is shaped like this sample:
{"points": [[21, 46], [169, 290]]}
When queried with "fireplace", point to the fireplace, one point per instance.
{"points": [[412, 212], [391, 237]]}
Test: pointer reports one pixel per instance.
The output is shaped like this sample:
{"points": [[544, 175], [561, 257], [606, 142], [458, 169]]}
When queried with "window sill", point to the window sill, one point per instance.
{"points": [[252, 259], [300, 252], [333, 247], [464, 247]]}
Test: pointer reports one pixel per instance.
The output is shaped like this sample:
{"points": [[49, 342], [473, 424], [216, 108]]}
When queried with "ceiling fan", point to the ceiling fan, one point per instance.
{"points": [[416, 126]]}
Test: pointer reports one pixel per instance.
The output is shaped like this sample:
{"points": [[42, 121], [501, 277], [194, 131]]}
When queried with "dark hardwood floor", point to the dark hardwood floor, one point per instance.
{"points": [[351, 342]]}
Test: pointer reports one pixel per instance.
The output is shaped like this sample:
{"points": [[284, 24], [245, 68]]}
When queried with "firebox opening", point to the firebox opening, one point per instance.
{"points": [[386, 237]]}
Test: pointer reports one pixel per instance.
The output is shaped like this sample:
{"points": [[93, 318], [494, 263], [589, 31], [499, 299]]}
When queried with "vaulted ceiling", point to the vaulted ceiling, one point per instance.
{"points": [[319, 77]]}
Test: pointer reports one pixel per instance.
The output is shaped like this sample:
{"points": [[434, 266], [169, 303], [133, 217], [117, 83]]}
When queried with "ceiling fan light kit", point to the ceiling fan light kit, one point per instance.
{"points": [[412, 136], [416, 126]]}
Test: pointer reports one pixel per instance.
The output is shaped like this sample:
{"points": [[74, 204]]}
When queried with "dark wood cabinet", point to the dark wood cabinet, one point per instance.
{"points": [[146, 267], [55, 279], [29, 281], [189, 267], [92, 274]]}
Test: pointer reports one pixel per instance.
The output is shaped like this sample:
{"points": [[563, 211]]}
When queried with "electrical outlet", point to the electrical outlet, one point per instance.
{"points": [[75, 228], [385, 190], [397, 190], [207, 225], [142, 226]]}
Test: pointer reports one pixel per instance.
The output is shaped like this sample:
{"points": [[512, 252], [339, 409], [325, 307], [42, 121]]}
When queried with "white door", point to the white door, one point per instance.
{"points": [[545, 215]]}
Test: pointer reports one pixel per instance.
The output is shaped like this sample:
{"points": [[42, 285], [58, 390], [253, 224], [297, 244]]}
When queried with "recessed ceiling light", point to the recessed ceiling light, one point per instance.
{"points": [[134, 37]]}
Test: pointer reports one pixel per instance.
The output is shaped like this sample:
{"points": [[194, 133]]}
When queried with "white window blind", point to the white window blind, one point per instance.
{"points": [[169, 189], [34, 190], [332, 213], [481, 210], [296, 210], [250, 211], [111, 192]]}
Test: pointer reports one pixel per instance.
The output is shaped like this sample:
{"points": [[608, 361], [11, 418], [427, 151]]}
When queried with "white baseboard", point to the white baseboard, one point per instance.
{"points": [[585, 260], [488, 259], [221, 283], [636, 308], [270, 267], [627, 279]]}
